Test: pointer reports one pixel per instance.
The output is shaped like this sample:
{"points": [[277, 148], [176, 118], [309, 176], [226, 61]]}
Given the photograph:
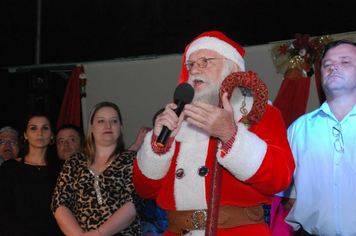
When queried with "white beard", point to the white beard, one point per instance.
{"points": [[210, 94]]}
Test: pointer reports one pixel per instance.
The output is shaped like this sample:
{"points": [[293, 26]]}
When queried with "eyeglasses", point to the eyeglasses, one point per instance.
{"points": [[339, 142], [10, 142], [201, 63]]}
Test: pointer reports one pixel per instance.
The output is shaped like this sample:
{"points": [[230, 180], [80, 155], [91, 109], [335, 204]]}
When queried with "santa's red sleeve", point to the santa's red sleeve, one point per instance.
{"points": [[261, 156]]}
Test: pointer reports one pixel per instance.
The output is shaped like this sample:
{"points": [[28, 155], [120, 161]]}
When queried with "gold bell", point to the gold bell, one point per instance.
{"points": [[246, 122]]}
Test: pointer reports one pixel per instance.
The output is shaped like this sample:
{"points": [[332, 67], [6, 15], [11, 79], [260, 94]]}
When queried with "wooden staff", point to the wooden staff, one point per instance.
{"points": [[260, 93], [214, 197]]}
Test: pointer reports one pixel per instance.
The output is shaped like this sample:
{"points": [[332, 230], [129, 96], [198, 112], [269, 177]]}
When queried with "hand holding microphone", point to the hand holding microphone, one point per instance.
{"points": [[183, 95]]}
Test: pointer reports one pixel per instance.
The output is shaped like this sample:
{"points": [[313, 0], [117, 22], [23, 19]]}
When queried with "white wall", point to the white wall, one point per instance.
{"points": [[142, 87], [139, 88]]}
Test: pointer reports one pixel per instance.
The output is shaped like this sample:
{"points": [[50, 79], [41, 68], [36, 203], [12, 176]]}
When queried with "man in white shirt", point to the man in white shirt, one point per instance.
{"points": [[322, 197]]}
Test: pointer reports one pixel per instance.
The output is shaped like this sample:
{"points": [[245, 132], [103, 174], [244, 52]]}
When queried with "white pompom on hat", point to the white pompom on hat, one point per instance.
{"points": [[218, 42]]}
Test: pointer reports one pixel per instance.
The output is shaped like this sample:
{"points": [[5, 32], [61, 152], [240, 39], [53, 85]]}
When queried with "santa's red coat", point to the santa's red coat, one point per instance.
{"points": [[258, 165]]}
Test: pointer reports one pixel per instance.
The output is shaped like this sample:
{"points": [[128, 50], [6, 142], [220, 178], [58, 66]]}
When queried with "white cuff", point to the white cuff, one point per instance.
{"points": [[246, 154], [152, 165]]}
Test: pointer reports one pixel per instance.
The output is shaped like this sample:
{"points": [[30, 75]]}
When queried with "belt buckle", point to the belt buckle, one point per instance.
{"points": [[195, 219]]}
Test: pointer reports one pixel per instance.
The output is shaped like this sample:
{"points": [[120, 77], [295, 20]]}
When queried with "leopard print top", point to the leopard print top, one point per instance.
{"points": [[75, 189]]}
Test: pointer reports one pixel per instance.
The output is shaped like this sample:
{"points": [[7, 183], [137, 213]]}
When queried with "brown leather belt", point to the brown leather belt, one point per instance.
{"points": [[182, 222]]}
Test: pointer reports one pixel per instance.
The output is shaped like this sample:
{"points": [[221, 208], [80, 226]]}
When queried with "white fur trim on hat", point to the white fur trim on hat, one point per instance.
{"points": [[218, 46]]}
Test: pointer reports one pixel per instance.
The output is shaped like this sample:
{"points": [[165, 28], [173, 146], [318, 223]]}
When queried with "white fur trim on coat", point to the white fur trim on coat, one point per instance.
{"points": [[152, 165], [246, 154], [197, 233], [189, 191], [219, 46]]}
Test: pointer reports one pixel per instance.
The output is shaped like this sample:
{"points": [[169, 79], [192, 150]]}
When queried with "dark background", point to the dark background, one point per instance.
{"points": [[79, 31]]}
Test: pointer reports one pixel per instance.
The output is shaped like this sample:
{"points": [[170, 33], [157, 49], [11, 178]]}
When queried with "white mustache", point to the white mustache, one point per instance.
{"points": [[197, 77]]}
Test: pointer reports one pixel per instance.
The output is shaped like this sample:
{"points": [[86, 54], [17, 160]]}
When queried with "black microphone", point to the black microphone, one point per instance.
{"points": [[183, 94]]}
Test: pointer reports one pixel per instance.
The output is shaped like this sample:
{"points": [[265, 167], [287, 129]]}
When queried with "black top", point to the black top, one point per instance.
{"points": [[25, 198]]}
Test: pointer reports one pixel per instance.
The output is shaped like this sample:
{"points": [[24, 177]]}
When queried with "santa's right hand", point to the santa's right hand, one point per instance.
{"points": [[169, 119]]}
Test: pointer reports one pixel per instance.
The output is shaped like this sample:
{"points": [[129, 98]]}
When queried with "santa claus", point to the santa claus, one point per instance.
{"points": [[257, 162]]}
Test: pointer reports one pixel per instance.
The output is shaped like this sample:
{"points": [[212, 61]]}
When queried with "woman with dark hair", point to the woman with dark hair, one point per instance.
{"points": [[27, 183], [94, 193]]}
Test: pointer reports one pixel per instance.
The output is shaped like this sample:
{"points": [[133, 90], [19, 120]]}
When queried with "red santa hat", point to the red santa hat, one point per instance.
{"points": [[215, 41]]}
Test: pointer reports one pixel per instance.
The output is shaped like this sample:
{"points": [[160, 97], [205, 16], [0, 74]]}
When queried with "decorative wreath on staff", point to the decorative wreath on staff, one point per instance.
{"points": [[258, 89], [259, 107]]}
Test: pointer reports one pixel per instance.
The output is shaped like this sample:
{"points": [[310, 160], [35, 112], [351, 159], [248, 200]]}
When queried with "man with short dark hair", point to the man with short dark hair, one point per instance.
{"points": [[69, 140], [322, 195]]}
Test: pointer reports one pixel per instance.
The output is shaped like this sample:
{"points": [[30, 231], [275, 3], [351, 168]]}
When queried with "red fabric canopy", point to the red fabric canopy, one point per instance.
{"points": [[71, 108], [292, 98]]}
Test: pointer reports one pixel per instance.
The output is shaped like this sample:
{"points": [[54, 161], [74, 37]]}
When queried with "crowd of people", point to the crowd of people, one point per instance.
{"points": [[65, 182]]}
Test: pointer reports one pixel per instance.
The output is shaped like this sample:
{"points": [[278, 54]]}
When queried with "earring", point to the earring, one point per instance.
{"points": [[52, 141]]}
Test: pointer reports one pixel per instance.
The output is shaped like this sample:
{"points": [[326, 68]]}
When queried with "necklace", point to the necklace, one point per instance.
{"points": [[97, 188], [96, 182], [38, 167]]}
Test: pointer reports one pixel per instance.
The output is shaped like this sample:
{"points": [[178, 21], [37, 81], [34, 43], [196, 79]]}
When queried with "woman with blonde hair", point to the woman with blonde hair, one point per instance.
{"points": [[94, 193]]}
